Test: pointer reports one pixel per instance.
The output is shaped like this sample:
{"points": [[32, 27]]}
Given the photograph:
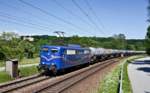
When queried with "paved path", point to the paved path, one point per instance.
{"points": [[139, 75], [27, 65]]}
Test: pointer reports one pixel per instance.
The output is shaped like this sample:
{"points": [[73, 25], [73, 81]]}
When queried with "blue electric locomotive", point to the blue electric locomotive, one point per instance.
{"points": [[55, 58]]}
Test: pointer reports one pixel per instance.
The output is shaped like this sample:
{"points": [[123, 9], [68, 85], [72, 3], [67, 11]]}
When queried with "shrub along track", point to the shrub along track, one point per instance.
{"points": [[60, 83]]}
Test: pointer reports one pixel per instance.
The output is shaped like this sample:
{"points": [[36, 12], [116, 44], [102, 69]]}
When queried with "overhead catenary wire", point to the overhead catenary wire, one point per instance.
{"points": [[22, 20], [22, 24], [50, 14], [29, 13], [72, 13], [40, 17], [32, 14], [88, 17], [94, 13]]}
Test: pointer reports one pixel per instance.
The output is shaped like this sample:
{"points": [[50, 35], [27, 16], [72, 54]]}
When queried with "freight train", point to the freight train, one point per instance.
{"points": [[57, 58]]}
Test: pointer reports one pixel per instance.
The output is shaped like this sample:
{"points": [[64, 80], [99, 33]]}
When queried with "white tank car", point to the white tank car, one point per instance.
{"points": [[98, 54], [97, 51], [100, 51], [115, 51], [92, 49], [109, 51]]}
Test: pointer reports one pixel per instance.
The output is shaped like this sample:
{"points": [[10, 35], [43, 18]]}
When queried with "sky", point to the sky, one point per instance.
{"points": [[100, 18]]}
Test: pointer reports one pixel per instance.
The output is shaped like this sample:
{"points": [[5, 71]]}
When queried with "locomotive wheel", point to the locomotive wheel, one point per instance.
{"points": [[54, 70]]}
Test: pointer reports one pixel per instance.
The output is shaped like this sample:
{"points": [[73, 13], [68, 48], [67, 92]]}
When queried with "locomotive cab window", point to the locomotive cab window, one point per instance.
{"points": [[54, 50]]}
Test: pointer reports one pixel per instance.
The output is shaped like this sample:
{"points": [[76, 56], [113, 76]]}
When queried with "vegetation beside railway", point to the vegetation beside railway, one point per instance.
{"points": [[126, 82], [4, 77], [24, 61], [147, 40], [28, 71], [24, 72], [14, 46], [110, 82]]}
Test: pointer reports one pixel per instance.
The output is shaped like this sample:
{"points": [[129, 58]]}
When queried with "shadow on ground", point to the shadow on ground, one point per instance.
{"points": [[142, 62], [145, 69], [146, 92]]}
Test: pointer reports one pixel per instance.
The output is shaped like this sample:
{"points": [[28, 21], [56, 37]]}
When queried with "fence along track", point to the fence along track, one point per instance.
{"points": [[10, 86], [66, 82]]}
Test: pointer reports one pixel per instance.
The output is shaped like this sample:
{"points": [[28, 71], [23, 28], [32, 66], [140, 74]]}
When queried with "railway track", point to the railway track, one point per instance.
{"points": [[55, 85], [68, 81], [11, 86]]}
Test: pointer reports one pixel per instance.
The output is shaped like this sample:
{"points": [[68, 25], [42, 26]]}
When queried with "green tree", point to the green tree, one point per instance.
{"points": [[119, 41], [9, 45], [28, 49], [147, 41]]}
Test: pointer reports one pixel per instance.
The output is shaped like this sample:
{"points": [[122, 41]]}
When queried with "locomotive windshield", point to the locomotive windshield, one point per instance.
{"points": [[54, 50]]}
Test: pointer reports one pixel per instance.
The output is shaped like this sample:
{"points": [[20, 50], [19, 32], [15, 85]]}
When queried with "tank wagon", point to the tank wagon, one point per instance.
{"points": [[57, 58]]}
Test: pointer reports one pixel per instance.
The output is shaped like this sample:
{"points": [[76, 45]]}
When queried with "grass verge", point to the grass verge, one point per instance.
{"points": [[126, 82], [4, 77], [27, 71], [24, 72], [110, 82], [2, 63]]}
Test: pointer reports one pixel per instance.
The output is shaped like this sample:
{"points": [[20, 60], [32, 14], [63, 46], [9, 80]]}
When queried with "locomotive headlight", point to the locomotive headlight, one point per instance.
{"points": [[52, 64], [43, 62]]}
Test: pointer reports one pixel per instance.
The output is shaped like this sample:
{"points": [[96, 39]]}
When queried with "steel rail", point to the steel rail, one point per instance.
{"points": [[4, 88], [62, 84]]}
